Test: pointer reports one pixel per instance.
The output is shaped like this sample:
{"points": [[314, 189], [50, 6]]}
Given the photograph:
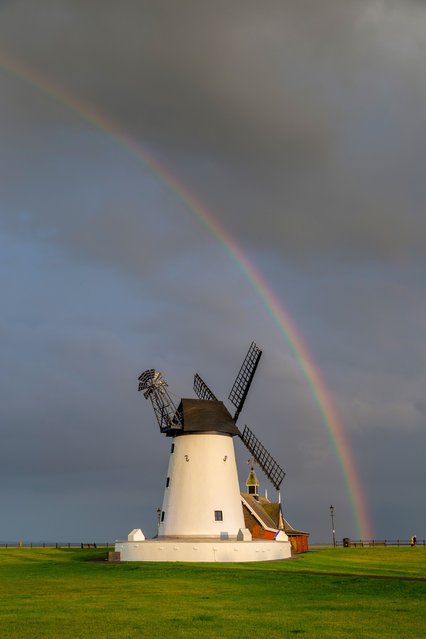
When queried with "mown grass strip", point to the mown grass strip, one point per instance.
{"points": [[64, 593]]}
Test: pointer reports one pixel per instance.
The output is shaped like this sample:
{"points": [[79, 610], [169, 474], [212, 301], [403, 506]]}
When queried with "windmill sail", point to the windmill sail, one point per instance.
{"points": [[270, 467], [154, 385], [244, 379], [202, 390]]}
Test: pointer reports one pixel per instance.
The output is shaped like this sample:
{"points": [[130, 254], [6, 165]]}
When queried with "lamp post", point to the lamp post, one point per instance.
{"points": [[332, 525]]}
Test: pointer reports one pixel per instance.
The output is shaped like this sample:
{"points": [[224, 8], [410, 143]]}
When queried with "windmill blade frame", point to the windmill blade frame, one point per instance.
{"points": [[270, 467], [154, 387], [202, 390], [244, 379]]}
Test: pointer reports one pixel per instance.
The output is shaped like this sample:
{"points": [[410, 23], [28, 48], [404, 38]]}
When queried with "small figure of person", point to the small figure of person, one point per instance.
{"points": [[413, 540]]}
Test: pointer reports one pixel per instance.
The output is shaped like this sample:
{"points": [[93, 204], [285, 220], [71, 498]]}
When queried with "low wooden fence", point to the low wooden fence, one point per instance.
{"points": [[345, 543], [377, 543], [58, 544]]}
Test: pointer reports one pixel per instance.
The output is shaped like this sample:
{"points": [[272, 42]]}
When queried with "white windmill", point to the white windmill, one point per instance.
{"points": [[201, 518]]}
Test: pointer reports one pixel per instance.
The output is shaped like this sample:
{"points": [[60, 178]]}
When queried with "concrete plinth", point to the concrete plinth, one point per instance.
{"points": [[202, 550]]}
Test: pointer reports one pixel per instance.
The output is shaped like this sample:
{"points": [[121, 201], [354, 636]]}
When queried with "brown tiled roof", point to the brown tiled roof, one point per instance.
{"points": [[258, 511], [273, 509], [268, 514], [292, 531]]}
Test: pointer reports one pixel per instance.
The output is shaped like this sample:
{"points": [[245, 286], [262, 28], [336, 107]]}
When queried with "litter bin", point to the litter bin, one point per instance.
{"points": [[346, 542]]}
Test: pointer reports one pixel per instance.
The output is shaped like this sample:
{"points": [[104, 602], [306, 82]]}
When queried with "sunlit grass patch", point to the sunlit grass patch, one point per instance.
{"points": [[327, 593]]}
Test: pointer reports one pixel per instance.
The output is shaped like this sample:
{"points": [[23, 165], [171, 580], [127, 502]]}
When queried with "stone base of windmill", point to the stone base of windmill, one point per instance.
{"points": [[197, 549]]}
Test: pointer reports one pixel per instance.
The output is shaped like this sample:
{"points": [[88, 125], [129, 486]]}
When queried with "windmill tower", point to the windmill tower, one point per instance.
{"points": [[202, 501]]}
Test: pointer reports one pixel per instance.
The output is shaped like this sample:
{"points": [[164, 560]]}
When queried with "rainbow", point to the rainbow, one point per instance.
{"points": [[278, 313]]}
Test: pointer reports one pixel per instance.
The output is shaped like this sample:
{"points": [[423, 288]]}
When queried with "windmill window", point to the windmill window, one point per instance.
{"points": [[167, 482], [172, 450], [218, 515], [162, 515]]}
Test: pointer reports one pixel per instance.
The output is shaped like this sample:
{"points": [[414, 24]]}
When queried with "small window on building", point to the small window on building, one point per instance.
{"points": [[172, 450], [162, 515], [218, 515], [167, 482]]}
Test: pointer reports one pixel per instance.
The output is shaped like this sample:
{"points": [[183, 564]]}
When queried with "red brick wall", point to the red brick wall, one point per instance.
{"points": [[299, 543]]}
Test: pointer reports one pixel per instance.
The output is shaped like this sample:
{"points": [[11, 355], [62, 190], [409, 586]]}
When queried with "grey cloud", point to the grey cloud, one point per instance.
{"points": [[315, 118]]}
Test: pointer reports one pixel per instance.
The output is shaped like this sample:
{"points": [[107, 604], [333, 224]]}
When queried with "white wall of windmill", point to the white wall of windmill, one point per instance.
{"points": [[202, 483]]}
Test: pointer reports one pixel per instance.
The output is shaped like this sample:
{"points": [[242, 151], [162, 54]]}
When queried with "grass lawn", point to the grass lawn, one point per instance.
{"points": [[63, 594]]}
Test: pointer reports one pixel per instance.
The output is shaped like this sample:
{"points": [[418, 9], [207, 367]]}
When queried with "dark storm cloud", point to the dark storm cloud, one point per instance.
{"points": [[315, 118]]}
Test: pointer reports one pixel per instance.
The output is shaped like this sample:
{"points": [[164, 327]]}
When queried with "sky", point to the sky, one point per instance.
{"points": [[301, 127]]}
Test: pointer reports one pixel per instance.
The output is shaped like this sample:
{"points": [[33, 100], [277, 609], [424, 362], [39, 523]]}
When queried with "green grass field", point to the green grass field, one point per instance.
{"points": [[329, 593]]}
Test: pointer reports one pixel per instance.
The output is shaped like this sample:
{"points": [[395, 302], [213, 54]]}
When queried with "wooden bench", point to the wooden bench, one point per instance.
{"points": [[88, 545]]}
